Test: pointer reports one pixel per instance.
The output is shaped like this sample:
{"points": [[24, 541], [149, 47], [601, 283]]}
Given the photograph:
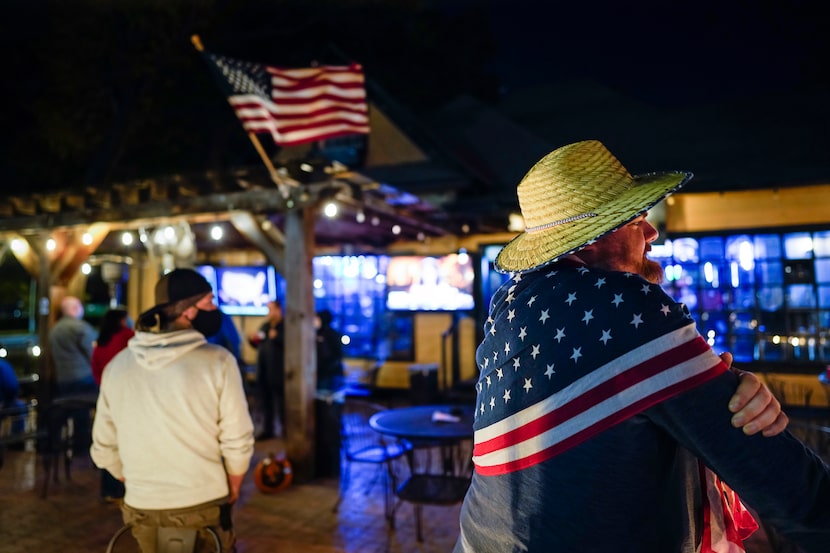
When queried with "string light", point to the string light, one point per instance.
{"points": [[19, 246]]}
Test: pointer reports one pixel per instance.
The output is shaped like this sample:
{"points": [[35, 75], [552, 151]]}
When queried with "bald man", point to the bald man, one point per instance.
{"points": [[71, 341]]}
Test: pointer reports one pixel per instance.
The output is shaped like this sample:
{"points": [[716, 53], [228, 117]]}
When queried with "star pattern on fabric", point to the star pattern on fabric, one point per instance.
{"points": [[545, 357], [606, 335]]}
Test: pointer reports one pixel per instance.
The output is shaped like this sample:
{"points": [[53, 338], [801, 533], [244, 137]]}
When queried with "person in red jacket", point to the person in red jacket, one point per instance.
{"points": [[113, 335]]}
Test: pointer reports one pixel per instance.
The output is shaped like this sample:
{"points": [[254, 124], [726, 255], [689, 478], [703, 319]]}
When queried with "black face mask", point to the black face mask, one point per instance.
{"points": [[207, 322]]}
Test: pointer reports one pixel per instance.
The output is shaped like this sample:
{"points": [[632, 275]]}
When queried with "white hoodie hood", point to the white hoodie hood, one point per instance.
{"points": [[154, 351]]}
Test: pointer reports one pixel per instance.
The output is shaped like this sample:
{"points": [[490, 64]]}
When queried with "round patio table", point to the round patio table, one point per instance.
{"points": [[426, 422]]}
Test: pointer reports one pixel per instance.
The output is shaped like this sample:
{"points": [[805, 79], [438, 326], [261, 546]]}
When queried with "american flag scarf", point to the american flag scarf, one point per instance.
{"points": [[570, 352]]}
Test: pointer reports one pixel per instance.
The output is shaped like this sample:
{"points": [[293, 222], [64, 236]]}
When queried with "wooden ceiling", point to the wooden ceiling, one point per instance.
{"points": [[369, 216]]}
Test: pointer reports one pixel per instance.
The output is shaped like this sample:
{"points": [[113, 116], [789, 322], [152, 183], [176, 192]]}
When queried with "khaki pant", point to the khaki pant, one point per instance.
{"points": [[215, 514]]}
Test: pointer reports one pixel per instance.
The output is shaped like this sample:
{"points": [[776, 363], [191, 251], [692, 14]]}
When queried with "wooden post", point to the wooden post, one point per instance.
{"points": [[300, 343], [46, 367]]}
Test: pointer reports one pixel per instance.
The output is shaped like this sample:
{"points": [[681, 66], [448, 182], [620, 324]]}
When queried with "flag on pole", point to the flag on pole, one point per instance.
{"points": [[296, 106]]}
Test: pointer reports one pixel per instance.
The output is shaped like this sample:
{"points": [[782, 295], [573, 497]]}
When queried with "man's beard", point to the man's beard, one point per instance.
{"points": [[651, 271]]}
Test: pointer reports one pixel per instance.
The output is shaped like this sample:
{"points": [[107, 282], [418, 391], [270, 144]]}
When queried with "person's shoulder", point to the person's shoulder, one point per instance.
{"points": [[217, 355], [215, 350]]}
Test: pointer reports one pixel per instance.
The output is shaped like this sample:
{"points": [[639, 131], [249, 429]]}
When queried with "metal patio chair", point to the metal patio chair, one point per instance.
{"points": [[361, 444]]}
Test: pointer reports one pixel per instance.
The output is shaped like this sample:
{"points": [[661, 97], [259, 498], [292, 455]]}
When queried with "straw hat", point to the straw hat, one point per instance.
{"points": [[575, 195]]}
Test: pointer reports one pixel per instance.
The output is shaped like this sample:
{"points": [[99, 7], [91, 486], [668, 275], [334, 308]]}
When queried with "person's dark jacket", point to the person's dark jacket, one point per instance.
{"points": [[329, 355]]}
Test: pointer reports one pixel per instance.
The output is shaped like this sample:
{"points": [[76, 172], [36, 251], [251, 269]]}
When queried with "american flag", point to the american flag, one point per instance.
{"points": [[296, 106], [572, 351]]}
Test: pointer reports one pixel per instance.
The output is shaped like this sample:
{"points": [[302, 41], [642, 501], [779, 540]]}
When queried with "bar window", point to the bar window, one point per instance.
{"points": [[767, 246], [821, 244], [822, 270], [798, 245], [801, 296]]}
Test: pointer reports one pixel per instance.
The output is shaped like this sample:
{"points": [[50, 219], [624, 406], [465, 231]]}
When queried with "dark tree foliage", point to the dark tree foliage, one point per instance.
{"points": [[104, 91]]}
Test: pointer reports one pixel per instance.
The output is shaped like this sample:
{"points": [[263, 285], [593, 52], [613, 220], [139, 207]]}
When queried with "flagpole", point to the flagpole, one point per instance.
{"points": [[282, 184]]}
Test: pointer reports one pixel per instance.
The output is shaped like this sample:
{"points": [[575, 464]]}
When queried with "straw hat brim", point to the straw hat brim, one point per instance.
{"points": [[532, 250]]}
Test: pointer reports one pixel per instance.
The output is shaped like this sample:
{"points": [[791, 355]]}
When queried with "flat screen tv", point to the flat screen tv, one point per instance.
{"points": [[245, 290], [428, 283]]}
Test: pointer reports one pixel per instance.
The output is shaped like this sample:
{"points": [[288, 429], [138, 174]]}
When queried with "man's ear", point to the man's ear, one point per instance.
{"points": [[190, 313]]}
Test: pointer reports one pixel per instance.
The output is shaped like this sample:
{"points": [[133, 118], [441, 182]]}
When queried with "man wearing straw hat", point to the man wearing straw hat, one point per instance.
{"points": [[172, 420], [601, 423]]}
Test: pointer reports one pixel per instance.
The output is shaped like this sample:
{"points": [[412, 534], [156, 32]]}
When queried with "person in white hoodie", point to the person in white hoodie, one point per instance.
{"points": [[172, 419]]}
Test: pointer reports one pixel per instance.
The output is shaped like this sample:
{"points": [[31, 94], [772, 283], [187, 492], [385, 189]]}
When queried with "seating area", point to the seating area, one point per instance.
{"points": [[438, 456], [50, 432], [18, 428], [361, 444], [299, 519]]}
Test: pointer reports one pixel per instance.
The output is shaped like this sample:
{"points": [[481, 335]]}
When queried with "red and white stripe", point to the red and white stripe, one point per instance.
{"points": [[641, 378], [307, 104]]}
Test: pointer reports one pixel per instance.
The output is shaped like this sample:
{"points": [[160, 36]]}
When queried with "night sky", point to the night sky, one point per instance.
{"points": [[665, 52], [97, 90]]}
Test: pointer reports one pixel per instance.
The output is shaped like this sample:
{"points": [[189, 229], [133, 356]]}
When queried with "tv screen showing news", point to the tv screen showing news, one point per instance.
{"points": [[245, 290], [427, 283]]}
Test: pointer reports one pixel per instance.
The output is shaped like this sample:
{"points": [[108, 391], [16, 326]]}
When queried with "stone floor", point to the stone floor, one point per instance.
{"points": [[299, 519]]}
